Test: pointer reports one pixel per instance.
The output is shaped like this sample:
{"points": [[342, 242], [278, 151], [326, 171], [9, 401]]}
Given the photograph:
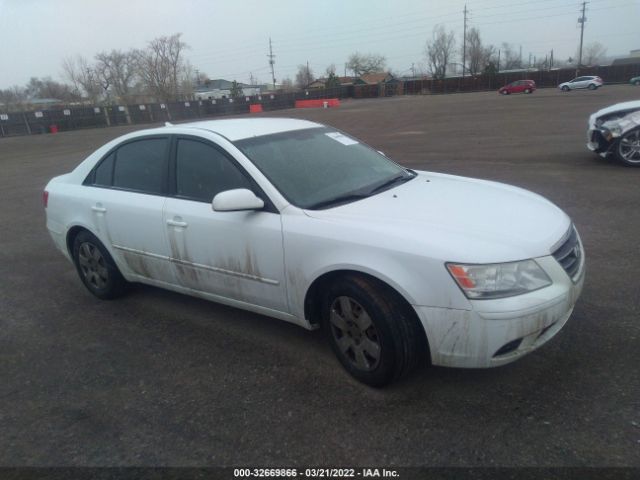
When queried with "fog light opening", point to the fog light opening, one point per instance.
{"points": [[508, 347]]}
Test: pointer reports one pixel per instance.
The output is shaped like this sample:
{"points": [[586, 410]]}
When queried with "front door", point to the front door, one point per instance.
{"points": [[235, 255]]}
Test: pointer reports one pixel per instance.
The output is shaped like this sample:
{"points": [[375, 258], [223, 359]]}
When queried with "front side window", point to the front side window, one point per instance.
{"points": [[203, 171], [141, 166], [320, 167]]}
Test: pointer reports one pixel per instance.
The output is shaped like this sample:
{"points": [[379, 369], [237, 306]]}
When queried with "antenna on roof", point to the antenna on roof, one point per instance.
{"points": [[168, 124]]}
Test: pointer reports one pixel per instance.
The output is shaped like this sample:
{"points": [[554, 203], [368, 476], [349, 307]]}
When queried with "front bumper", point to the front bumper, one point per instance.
{"points": [[497, 332], [597, 141]]}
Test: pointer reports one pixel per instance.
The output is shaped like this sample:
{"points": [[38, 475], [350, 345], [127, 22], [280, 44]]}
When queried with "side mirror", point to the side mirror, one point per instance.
{"points": [[236, 200]]}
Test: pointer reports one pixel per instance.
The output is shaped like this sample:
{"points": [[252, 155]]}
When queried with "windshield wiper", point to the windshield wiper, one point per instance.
{"points": [[391, 182], [338, 200]]}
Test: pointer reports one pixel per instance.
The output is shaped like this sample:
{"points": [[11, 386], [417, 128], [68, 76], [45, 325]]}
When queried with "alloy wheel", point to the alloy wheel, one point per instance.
{"points": [[629, 147]]}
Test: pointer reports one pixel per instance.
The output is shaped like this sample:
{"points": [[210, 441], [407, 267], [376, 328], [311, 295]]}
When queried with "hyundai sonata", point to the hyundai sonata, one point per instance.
{"points": [[304, 223]]}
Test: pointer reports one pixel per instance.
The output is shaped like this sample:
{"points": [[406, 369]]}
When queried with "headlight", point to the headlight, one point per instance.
{"points": [[499, 280], [611, 130]]}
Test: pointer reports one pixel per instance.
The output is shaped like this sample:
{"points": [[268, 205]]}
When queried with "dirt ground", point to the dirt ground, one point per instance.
{"points": [[158, 378]]}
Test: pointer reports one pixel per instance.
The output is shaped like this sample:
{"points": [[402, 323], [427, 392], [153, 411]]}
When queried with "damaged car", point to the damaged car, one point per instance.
{"points": [[615, 132], [302, 222]]}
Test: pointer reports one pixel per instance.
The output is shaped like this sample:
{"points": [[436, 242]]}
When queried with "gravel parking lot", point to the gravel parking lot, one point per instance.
{"points": [[163, 379]]}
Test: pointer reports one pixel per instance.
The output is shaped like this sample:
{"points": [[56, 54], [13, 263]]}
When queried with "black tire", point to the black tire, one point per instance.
{"points": [[627, 148], [398, 334], [636, 83], [96, 268], [565, 89], [527, 90], [592, 86], [505, 92]]}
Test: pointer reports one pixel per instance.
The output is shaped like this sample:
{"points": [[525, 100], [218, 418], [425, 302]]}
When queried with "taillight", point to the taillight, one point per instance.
{"points": [[45, 198]]}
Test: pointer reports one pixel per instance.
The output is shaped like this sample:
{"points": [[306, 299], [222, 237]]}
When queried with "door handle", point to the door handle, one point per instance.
{"points": [[176, 223], [99, 209]]}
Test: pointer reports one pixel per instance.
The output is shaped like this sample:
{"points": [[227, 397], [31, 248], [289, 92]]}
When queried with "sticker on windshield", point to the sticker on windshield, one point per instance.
{"points": [[343, 139]]}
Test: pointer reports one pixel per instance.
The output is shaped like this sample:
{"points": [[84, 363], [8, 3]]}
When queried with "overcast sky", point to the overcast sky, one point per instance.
{"points": [[230, 39]]}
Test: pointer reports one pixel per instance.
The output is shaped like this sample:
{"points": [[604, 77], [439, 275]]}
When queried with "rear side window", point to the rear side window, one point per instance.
{"points": [[104, 172], [141, 166], [203, 171]]}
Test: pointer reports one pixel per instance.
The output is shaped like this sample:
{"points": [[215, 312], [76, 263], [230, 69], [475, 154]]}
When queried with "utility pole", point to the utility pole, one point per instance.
{"points": [[464, 41], [581, 21], [520, 56], [498, 69], [551, 61], [271, 62], [413, 70]]}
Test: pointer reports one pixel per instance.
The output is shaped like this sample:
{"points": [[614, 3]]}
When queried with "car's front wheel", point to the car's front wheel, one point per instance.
{"points": [[564, 88], [628, 148], [527, 90], [504, 92], [636, 83], [96, 268], [375, 336]]}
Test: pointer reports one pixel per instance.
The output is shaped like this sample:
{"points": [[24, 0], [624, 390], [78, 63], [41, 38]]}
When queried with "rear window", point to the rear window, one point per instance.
{"points": [[141, 166]]}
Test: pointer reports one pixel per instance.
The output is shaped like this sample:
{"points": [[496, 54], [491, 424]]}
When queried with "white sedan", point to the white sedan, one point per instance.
{"points": [[301, 222]]}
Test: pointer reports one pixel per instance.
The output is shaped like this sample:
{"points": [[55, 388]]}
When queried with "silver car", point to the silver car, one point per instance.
{"points": [[590, 82]]}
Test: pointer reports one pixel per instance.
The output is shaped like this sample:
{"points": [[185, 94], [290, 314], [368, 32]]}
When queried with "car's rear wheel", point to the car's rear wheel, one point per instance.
{"points": [[628, 148], [96, 268], [565, 88], [592, 86], [527, 90], [375, 336]]}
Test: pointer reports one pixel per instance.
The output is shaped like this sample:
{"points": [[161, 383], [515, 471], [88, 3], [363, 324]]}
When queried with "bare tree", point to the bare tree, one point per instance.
{"points": [[509, 58], [363, 64], [48, 88], [161, 66], [116, 72], [287, 84], [83, 77], [304, 76], [478, 55], [440, 50], [592, 53], [13, 98]]}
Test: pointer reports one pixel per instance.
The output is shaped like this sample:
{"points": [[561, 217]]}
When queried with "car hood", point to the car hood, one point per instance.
{"points": [[454, 219], [618, 107]]}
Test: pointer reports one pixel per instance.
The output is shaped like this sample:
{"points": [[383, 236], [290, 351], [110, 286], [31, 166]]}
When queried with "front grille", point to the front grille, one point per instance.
{"points": [[569, 254]]}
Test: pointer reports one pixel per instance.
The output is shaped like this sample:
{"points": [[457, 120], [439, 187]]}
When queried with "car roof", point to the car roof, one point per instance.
{"points": [[240, 128]]}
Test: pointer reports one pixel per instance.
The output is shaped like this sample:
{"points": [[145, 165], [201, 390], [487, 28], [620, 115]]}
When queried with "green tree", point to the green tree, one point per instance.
{"points": [[236, 90], [332, 81]]}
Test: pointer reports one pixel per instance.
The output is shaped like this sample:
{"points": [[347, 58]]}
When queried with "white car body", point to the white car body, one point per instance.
{"points": [[610, 123], [590, 81], [267, 262]]}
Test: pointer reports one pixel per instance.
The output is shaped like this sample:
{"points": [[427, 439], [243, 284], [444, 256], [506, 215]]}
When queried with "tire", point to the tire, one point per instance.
{"points": [[565, 89], [375, 336], [637, 83], [527, 90], [627, 148], [592, 86], [96, 268], [504, 92]]}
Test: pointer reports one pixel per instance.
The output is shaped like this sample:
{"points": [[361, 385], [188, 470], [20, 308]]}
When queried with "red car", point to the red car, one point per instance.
{"points": [[519, 86]]}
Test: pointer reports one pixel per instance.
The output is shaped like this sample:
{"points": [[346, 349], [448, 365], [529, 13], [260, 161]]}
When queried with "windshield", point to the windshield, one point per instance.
{"points": [[321, 167]]}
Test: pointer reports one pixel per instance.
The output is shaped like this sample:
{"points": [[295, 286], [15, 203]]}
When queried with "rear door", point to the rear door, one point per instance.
{"points": [[130, 192], [234, 255]]}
